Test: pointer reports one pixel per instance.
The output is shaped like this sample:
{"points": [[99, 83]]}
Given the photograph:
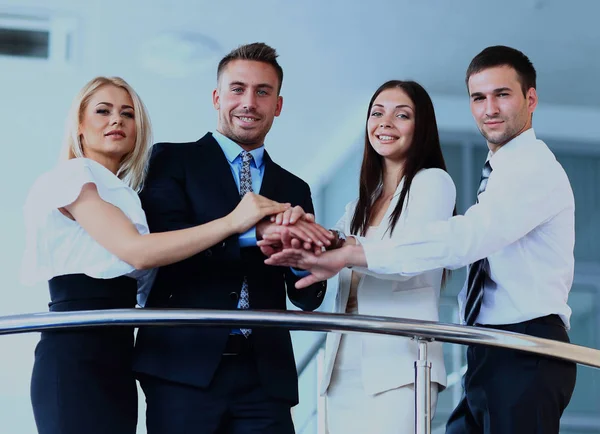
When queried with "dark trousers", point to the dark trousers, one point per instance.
{"points": [[512, 392], [234, 403]]}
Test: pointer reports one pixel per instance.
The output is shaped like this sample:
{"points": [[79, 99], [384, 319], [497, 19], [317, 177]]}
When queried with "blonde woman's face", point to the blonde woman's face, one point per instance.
{"points": [[107, 129]]}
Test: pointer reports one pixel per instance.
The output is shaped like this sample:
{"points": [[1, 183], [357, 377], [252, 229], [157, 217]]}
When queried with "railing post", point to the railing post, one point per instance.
{"points": [[422, 390]]}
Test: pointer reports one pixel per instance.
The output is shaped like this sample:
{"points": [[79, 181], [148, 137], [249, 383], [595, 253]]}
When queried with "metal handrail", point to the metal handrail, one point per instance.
{"points": [[422, 331], [313, 321]]}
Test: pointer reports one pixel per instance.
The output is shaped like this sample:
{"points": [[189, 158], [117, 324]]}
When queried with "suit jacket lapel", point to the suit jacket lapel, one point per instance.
{"points": [[218, 173], [269, 183]]}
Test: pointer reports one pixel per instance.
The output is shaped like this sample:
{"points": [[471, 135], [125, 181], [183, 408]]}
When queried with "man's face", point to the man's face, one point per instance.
{"points": [[247, 100], [498, 105]]}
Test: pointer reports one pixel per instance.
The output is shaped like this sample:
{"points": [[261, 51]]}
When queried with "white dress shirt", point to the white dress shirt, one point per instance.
{"points": [[524, 224], [56, 245]]}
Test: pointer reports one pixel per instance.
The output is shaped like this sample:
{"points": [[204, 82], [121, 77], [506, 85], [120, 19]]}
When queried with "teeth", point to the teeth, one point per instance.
{"points": [[247, 119], [386, 138]]}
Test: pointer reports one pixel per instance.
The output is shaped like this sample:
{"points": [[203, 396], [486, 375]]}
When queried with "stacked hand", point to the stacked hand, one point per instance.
{"points": [[292, 229]]}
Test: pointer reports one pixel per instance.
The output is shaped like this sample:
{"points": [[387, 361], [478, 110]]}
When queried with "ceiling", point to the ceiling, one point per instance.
{"points": [[334, 54]]}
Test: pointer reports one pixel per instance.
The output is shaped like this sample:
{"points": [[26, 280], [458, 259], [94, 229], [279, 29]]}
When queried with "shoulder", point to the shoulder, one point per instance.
{"points": [[433, 179], [291, 180]]}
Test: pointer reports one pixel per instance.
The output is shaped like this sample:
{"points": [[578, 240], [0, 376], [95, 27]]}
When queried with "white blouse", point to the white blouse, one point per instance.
{"points": [[57, 245]]}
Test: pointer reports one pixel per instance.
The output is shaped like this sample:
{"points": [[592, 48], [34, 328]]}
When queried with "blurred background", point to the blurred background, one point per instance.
{"points": [[334, 55]]}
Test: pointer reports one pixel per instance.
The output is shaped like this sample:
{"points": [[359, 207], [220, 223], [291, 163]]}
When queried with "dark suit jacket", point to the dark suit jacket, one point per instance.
{"points": [[190, 184]]}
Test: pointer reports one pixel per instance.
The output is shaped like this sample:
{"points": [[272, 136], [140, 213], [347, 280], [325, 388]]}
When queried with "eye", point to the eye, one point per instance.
{"points": [[237, 90], [262, 92], [402, 116], [128, 115], [503, 94], [478, 98], [376, 114], [102, 111]]}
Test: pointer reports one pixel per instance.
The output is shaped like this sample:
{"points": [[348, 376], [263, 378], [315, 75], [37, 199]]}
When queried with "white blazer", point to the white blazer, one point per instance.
{"points": [[388, 361]]}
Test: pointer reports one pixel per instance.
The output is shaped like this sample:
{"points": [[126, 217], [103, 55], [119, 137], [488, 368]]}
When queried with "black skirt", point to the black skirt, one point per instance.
{"points": [[82, 379]]}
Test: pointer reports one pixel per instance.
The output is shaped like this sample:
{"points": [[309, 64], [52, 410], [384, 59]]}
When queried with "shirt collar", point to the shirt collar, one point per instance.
{"points": [[232, 150], [505, 151]]}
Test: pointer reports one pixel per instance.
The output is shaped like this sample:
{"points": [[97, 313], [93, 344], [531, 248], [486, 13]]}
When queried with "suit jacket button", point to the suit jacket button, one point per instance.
{"points": [[223, 244], [234, 296], [208, 252], [319, 294]]}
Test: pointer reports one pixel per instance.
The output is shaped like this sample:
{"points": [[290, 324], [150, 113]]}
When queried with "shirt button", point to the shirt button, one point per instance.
{"points": [[234, 296], [223, 244]]}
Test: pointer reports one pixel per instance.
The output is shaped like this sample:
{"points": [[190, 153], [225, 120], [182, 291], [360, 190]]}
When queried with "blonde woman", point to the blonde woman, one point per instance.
{"points": [[88, 237]]}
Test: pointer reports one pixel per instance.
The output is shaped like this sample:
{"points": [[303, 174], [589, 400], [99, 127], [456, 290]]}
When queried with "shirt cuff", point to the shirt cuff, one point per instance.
{"points": [[299, 273], [248, 238], [371, 255]]}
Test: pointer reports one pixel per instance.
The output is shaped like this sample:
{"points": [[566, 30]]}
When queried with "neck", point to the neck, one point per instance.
{"points": [[111, 163], [495, 146], [245, 146], [392, 174]]}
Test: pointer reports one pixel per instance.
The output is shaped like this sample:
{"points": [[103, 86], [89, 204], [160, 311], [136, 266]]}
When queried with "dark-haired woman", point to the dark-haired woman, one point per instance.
{"points": [[403, 182], [369, 380]]}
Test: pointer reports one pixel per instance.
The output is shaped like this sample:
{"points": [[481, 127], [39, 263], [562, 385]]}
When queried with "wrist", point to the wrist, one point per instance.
{"points": [[354, 255], [338, 241]]}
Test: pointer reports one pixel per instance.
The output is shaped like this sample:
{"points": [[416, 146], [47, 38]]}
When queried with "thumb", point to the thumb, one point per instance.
{"points": [[306, 281]]}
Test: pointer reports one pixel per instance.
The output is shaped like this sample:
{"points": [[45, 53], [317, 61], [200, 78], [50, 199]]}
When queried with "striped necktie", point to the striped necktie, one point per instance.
{"points": [[245, 187], [478, 270]]}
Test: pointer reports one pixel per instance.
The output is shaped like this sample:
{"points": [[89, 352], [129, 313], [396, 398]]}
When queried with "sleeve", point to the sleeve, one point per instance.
{"points": [[167, 207], [515, 202], [51, 191], [431, 198], [61, 186], [309, 298]]}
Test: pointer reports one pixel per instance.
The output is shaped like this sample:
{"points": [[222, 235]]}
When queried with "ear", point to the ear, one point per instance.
{"points": [[532, 100], [216, 99], [279, 105]]}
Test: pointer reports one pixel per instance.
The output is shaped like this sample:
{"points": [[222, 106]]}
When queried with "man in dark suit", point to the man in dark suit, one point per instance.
{"points": [[205, 379]]}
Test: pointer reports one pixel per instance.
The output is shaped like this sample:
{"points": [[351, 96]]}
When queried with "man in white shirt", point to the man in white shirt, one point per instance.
{"points": [[518, 240]]}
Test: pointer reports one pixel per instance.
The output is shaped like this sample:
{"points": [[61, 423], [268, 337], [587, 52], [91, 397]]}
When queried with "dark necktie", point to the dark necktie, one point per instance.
{"points": [[245, 187], [478, 269]]}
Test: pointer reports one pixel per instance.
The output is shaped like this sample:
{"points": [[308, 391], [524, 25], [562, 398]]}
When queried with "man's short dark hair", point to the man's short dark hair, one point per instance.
{"points": [[257, 51], [500, 55]]}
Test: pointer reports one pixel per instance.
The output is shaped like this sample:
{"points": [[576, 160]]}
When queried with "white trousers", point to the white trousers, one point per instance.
{"points": [[350, 410]]}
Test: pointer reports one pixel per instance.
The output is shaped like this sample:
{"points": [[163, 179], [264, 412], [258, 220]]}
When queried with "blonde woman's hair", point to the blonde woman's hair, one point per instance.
{"points": [[134, 165]]}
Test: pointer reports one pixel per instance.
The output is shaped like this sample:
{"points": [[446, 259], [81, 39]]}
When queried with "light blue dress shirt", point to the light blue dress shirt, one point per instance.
{"points": [[232, 152]]}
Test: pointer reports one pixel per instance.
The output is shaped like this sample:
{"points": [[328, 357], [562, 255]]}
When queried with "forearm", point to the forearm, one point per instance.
{"points": [[354, 254], [159, 249]]}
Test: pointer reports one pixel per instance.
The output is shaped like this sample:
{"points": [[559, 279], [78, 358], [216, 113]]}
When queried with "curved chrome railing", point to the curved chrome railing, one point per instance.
{"points": [[422, 331]]}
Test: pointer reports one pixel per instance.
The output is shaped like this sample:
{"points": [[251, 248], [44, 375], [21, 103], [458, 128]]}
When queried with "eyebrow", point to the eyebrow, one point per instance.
{"points": [[398, 106], [498, 90], [239, 83], [111, 105]]}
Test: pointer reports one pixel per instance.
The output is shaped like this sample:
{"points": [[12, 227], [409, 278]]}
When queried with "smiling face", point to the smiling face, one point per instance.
{"points": [[391, 124], [247, 100], [107, 130], [498, 105]]}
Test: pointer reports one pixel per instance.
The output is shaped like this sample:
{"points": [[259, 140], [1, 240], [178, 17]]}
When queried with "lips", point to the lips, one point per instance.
{"points": [[117, 133], [247, 119]]}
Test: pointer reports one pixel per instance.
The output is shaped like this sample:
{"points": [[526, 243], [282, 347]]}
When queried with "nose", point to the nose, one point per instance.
{"points": [[385, 122], [116, 119], [249, 101], [491, 108]]}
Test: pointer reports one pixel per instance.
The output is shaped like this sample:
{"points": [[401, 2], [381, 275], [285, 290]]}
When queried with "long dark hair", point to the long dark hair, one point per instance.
{"points": [[423, 153]]}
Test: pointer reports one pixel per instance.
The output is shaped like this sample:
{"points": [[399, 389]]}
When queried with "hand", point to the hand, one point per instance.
{"points": [[252, 209], [321, 267], [304, 231], [292, 215], [272, 243]]}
